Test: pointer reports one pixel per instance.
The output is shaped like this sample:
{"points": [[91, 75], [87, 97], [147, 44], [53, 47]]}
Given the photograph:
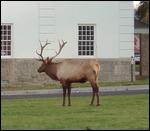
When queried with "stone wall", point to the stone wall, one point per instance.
{"points": [[144, 55], [7, 72], [20, 72], [115, 70]]}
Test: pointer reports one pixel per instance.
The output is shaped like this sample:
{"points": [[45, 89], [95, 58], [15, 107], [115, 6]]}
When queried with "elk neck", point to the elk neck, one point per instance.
{"points": [[51, 70]]}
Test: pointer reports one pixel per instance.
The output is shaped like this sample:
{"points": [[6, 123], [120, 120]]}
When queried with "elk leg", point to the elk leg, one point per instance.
{"points": [[97, 94], [93, 96], [97, 99], [64, 95], [69, 92], [95, 91]]}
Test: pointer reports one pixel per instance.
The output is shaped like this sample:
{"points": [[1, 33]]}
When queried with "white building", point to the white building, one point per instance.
{"points": [[102, 30]]}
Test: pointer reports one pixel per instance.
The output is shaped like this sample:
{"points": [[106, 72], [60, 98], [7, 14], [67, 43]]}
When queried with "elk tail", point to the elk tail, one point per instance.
{"points": [[96, 67]]}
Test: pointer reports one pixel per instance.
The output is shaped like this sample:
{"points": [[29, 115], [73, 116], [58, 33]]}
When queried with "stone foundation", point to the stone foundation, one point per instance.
{"points": [[22, 72]]}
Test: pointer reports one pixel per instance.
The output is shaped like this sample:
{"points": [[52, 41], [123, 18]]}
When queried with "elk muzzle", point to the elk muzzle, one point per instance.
{"points": [[41, 69]]}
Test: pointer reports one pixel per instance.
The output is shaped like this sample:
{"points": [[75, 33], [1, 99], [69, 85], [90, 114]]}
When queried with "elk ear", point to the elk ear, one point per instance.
{"points": [[48, 59]]}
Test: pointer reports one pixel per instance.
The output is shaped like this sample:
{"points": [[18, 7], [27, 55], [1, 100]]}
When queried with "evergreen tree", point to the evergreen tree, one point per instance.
{"points": [[142, 12]]}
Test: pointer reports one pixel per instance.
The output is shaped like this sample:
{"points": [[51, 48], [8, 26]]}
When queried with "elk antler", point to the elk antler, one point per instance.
{"points": [[60, 48], [40, 54]]}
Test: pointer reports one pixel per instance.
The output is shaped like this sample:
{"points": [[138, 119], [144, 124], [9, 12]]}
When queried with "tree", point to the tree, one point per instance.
{"points": [[142, 12]]}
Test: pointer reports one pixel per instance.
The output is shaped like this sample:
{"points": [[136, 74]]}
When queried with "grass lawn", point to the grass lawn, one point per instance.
{"points": [[130, 112]]}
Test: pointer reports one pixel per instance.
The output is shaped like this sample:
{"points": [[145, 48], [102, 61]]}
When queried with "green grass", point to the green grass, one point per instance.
{"points": [[100, 84], [128, 112]]}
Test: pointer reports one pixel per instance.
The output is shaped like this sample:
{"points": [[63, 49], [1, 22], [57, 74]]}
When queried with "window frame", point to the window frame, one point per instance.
{"points": [[9, 43], [86, 44]]}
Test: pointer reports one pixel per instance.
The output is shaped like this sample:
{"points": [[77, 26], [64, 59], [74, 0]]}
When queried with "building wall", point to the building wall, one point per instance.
{"points": [[113, 20], [21, 72], [23, 16], [126, 29]]}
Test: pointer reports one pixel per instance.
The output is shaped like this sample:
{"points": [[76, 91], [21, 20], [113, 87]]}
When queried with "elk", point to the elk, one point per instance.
{"points": [[70, 71]]}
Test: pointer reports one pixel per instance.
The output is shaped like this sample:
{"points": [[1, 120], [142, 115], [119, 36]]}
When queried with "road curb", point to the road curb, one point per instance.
{"points": [[74, 90]]}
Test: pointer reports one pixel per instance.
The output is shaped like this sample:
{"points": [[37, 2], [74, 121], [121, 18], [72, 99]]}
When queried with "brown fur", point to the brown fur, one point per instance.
{"points": [[72, 71]]}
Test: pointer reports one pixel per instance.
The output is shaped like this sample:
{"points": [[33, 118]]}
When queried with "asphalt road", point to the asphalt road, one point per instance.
{"points": [[76, 94]]}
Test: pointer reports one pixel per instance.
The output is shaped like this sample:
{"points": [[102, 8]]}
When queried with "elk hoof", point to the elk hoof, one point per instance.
{"points": [[98, 104], [69, 104]]}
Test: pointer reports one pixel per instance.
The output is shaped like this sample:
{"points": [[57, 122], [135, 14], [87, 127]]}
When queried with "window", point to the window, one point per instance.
{"points": [[86, 40], [6, 39]]}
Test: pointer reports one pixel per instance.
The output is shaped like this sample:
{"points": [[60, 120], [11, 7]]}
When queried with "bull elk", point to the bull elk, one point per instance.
{"points": [[70, 71]]}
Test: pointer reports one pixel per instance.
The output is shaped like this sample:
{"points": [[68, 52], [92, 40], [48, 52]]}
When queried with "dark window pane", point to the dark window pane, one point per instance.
{"points": [[9, 37], [5, 37], [4, 42], [83, 52], [83, 47], [88, 27], [92, 43], [83, 43], [84, 32], [80, 37], [9, 27], [80, 32], [92, 37], [2, 32], [9, 32], [79, 43], [84, 37], [5, 32], [9, 47], [88, 32], [5, 27], [79, 52], [4, 48], [8, 43], [88, 53], [80, 27], [9, 52], [79, 47], [84, 27], [92, 27], [88, 37], [87, 47]]}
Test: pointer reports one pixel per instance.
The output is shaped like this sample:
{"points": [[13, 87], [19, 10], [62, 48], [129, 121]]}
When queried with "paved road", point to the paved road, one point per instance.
{"points": [[104, 91]]}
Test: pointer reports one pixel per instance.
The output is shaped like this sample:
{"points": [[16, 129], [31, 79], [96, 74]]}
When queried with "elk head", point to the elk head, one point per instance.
{"points": [[48, 60]]}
